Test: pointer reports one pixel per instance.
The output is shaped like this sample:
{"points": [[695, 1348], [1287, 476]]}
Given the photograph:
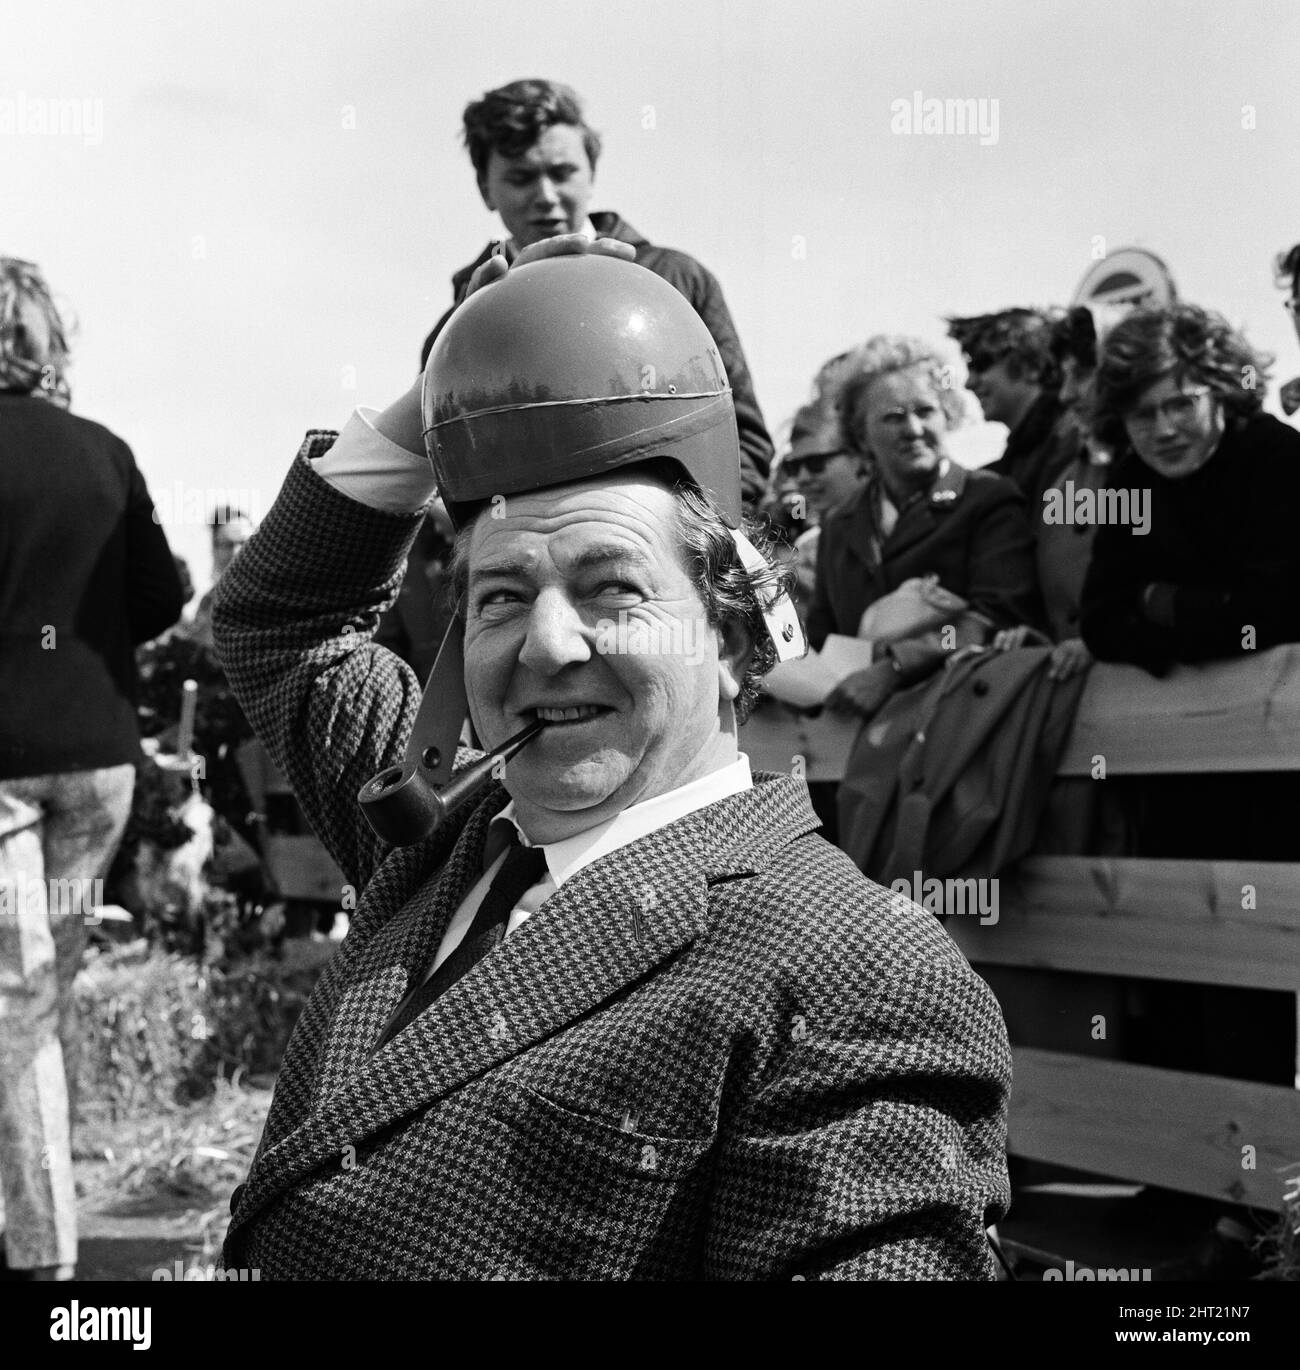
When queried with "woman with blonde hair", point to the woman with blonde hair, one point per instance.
{"points": [[947, 547]]}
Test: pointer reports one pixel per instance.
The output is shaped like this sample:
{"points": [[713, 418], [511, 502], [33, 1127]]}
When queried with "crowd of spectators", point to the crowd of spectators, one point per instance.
{"points": [[894, 540]]}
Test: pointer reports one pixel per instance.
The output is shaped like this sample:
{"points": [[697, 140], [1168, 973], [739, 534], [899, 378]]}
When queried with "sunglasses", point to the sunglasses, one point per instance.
{"points": [[813, 465]]}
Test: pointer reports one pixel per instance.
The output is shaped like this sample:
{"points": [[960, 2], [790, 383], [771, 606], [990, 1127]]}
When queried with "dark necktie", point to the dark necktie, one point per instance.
{"points": [[522, 868]]}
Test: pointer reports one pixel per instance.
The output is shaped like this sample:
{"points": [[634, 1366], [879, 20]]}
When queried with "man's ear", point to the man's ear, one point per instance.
{"points": [[735, 647], [483, 191]]}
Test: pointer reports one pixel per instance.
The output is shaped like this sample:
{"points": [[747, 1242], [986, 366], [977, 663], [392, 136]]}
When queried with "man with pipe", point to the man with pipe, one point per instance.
{"points": [[609, 1008]]}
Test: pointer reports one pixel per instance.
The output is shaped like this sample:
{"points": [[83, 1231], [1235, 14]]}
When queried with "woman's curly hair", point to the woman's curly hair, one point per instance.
{"points": [[1182, 340], [885, 354]]}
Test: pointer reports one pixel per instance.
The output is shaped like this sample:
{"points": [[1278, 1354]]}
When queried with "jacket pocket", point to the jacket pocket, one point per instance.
{"points": [[597, 1201]]}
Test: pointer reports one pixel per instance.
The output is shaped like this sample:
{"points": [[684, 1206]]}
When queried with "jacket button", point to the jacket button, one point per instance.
{"points": [[236, 1196], [981, 687]]}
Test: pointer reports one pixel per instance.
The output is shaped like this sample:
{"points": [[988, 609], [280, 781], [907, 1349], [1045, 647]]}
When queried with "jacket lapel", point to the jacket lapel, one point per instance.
{"points": [[922, 516], [609, 926], [389, 964]]}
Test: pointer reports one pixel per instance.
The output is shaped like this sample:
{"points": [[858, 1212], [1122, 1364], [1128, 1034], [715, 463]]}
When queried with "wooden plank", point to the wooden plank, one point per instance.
{"points": [[1184, 1132], [302, 868], [1166, 920], [1241, 715], [1224, 716]]}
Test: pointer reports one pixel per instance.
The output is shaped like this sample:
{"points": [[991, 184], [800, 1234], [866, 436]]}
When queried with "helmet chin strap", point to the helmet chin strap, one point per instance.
{"points": [[403, 804], [783, 625]]}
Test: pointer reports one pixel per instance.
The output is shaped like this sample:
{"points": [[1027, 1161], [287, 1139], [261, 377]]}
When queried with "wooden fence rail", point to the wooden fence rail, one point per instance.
{"points": [[1217, 922]]}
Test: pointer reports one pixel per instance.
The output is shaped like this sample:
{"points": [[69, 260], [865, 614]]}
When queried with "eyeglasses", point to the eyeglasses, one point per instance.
{"points": [[897, 418], [1178, 409]]}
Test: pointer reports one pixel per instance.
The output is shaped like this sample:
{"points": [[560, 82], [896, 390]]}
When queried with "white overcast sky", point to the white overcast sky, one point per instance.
{"points": [[235, 255]]}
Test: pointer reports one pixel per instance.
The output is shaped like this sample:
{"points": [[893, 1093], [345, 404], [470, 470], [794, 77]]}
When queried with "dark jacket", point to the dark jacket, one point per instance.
{"points": [[1037, 448], [716, 1053], [970, 530], [85, 575], [1227, 538], [701, 287]]}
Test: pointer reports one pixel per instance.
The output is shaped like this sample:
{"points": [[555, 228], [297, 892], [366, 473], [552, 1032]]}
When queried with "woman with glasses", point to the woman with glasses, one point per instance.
{"points": [[1215, 575], [1215, 571], [919, 519]]}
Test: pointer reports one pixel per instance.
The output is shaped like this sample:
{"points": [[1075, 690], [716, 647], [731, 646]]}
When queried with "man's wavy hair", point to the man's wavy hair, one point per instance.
{"points": [[26, 363], [727, 590], [1020, 337], [1179, 340], [510, 119], [883, 355]]}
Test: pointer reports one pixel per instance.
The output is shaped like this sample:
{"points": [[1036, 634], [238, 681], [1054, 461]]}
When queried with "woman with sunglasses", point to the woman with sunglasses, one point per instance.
{"points": [[1214, 572], [825, 475]]}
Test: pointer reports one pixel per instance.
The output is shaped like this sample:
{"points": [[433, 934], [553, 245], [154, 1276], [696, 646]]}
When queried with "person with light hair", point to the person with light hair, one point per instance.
{"points": [[933, 556], [86, 576]]}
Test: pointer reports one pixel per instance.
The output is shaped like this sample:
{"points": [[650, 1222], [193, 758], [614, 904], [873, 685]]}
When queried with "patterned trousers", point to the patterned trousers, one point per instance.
{"points": [[58, 834]]}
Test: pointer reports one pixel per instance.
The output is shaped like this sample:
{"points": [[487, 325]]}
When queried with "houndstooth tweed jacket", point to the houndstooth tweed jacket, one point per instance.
{"points": [[717, 1053]]}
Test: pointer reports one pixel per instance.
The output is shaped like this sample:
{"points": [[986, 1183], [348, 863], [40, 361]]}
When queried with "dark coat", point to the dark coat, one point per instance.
{"points": [[718, 1052], [1037, 448], [1227, 537], [951, 777], [85, 576], [701, 287], [970, 530]]}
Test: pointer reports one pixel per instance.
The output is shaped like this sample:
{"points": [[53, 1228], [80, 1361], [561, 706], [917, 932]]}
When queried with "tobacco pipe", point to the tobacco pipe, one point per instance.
{"points": [[403, 811]]}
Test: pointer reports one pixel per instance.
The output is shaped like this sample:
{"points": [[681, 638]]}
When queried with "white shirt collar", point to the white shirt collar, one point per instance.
{"points": [[566, 858]]}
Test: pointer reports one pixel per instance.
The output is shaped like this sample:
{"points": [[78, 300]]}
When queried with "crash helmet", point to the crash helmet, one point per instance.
{"points": [[570, 368]]}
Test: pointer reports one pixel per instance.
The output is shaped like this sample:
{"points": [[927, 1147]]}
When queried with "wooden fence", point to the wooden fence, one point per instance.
{"points": [[1142, 918]]}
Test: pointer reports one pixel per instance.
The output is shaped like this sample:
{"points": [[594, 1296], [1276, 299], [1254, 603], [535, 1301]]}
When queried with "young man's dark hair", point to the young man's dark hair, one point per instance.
{"points": [[1074, 336], [1019, 337], [510, 119], [1014, 376]]}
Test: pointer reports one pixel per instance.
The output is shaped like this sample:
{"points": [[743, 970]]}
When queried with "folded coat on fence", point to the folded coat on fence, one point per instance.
{"points": [[950, 777]]}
